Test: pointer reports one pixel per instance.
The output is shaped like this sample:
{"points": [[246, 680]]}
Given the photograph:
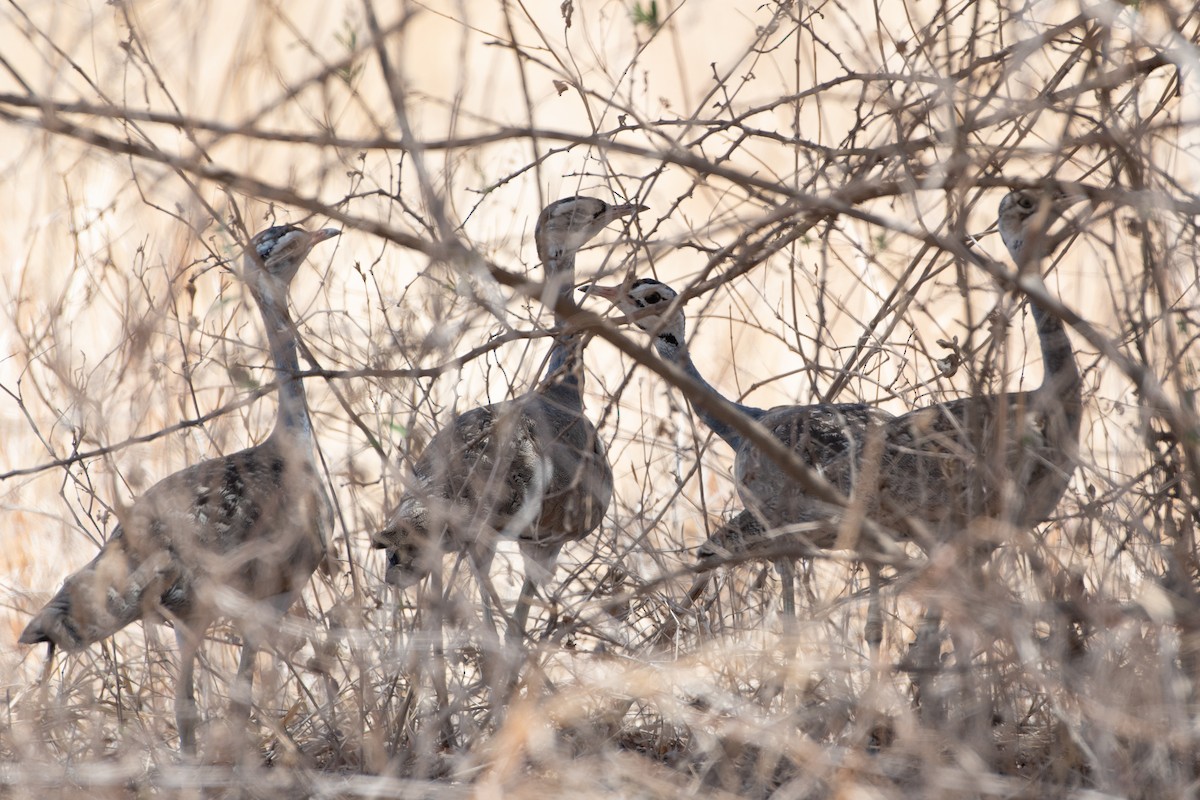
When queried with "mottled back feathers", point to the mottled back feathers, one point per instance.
{"points": [[254, 521]]}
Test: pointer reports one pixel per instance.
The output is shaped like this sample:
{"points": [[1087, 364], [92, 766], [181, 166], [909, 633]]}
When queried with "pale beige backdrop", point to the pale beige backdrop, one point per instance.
{"points": [[115, 320]]}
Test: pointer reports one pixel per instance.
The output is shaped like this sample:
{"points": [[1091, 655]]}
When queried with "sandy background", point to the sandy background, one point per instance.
{"points": [[119, 316]]}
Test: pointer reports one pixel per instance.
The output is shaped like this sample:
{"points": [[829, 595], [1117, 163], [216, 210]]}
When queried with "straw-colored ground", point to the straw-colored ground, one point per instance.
{"points": [[810, 169]]}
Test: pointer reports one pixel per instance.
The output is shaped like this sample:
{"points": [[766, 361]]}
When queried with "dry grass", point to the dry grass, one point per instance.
{"points": [[815, 173]]}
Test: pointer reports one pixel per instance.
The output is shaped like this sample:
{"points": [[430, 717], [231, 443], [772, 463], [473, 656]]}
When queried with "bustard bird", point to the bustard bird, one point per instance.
{"points": [[935, 470], [531, 468], [818, 433], [1007, 456], [1003, 460], [253, 522]]}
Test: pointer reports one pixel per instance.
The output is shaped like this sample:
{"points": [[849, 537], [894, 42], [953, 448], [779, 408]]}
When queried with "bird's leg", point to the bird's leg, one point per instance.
{"points": [[540, 561], [485, 608], [874, 630], [516, 631], [670, 628], [515, 638], [480, 560], [45, 679], [437, 652], [970, 699], [787, 579], [241, 695], [972, 683], [261, 626], [496, 665], [697, 588], [185, 688], [924, 660], [787, 576]]}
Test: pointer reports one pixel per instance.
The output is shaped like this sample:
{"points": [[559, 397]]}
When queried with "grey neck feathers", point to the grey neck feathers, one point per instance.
{"points": [[671, 344], [1061, 374], [564, 369], [292, 417]]}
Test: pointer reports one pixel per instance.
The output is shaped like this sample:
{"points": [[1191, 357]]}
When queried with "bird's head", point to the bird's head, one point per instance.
{"points": [[1025, 218], [403, 565], [568, 224], [646, 302], [274, 255], [411, 555]]}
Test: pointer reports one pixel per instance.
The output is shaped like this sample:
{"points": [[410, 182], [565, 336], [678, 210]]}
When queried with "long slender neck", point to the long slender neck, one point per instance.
{"points": [[672, 346], [564, 370], [1060, 381], [1061, 374], [292, 417]]}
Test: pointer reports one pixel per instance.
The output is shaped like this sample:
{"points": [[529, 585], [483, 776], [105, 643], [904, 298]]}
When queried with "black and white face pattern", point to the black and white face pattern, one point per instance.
{"points": [[647, 293], [646, 302], [281, 249], [1024, 213], [568, 224], [278, 237]]}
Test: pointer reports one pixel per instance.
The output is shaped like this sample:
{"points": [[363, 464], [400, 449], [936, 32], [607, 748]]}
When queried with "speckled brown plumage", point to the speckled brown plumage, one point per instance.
{"points": [[820, 434], [1005, 457], [532, 469], [245, 522], [254, 522], [826, 437]]}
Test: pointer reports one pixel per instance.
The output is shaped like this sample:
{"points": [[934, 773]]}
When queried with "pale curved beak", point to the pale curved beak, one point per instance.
{"points": [[609, 293], [616, 212], [324, 233]]}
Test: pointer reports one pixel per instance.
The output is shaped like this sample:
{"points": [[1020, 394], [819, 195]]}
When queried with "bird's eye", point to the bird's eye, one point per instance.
{"points": [[653, 297], [1026, 202]]}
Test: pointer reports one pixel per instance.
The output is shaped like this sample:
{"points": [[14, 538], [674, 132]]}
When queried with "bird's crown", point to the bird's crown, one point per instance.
{"points": [[280, 249], [648, 292], [1025, 213], [642, 294], [265, 242], [568, 224]]}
